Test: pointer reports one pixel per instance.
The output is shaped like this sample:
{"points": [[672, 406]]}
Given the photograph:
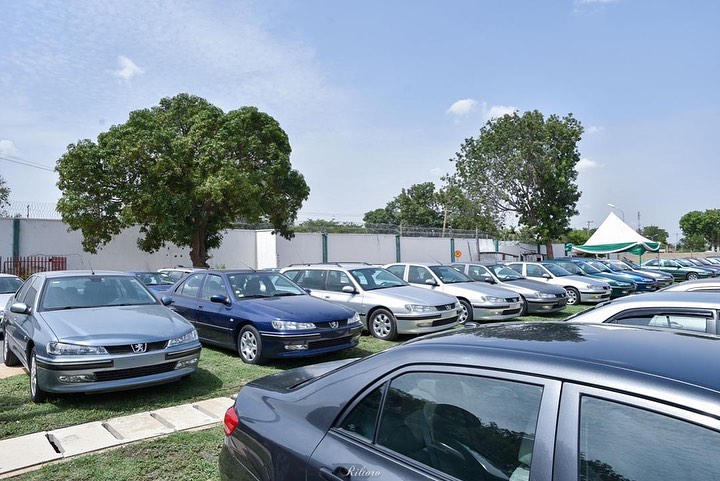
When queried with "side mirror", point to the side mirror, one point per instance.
{"points": [[220, 299], [547, 276], [19, 308], [430, 282], [307, 290], [349, 290], [166, 300], [489, 280]]}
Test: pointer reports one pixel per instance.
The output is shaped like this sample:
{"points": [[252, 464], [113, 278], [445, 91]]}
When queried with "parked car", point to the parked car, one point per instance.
{"points": [[82, 331], [625, 266], [9, 284], [579, 289], [711, 284], [511, 401], [680, 270], [387, 305], [705, 264], [537, 297], [177, 273], [155, 281], [687, 311], [620, 285], [644, 281], [479, 301], [262, 315]]}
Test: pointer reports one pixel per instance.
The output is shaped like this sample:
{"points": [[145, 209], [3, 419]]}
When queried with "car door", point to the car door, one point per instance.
{"points": [[606, 435], [185, 301], [443, 423], [337, 284], [21, 327], [216, 319]]}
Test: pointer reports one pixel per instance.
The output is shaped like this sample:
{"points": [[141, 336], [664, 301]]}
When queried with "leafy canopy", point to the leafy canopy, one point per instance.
{"points": [[698, 225], [183, 171], [524, 164], [4, 195]]}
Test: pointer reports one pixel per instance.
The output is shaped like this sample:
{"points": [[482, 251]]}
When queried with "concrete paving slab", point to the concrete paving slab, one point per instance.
{"points": [[83, 438], [183, 417], [137, 426], [25, 451], [215, 407], [6, 371]]}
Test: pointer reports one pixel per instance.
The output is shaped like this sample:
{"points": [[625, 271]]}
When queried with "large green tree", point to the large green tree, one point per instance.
{"points": [[331, 226], [655, 233], [183, 171], [4, 195], [418, 205], [525, 164], [706, 225]]}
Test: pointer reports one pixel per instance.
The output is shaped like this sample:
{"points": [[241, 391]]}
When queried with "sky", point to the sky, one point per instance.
{"points": [[376, 96]]}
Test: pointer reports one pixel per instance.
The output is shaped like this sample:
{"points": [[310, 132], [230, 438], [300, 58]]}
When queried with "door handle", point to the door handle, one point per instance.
{"points": [[341, 473]]}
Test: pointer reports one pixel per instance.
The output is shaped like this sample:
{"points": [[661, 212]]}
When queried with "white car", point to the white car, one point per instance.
{"points": [[579, 288], [9, 284]]}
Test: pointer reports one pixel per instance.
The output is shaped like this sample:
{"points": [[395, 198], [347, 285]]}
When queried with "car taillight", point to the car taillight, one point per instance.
{"points": [[231, 421]]}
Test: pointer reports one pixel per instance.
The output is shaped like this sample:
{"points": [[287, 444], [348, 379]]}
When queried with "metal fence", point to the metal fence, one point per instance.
{"points": [[26, 266], [30, 210]]}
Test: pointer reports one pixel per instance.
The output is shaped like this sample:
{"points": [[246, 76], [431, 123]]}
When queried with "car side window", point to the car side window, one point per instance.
{"points": [[684, 321], [362, 420], [28, 292], [293, 275], [418, 274], [336, 280], [466, 426], [191, 285], [311, 278], [398, 271], [516, 267], [214, 286], [22, 292], [620, 442], [534, 271], [479, 273]]}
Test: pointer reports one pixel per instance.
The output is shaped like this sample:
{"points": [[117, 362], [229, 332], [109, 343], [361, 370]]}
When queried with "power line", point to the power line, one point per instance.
{"points": [[27, 163]]}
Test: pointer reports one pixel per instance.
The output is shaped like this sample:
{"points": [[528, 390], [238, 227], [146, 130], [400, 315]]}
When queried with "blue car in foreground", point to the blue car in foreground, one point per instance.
{"points": [[262, 315]]}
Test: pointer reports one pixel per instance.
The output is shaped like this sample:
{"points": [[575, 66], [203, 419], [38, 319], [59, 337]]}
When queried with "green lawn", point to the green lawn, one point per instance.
{"points": [[192, 455]]}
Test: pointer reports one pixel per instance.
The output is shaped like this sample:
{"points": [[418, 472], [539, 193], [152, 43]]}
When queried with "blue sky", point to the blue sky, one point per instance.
{"points": [[377, 96]]}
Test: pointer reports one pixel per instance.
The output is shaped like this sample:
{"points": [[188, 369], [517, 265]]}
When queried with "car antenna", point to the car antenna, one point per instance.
{"points": [[248, 266], [92, 271]]}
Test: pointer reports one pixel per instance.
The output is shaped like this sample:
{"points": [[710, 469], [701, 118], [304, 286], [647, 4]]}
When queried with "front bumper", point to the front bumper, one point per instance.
{"points": [[284, 344], [540, 306], [594, 296], [496, 312], [423, 323], [623, 291]]}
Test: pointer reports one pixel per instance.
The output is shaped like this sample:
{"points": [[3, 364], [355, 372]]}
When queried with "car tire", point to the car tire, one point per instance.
{"points": [[466, 314], [9, 358], [37, 395], [573, 296], [383, 325], [249, 345], [523, 310], [691, 276]]}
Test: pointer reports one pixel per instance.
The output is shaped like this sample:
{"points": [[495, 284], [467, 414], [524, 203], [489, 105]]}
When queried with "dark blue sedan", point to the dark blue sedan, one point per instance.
{"points": [[262, 314]]}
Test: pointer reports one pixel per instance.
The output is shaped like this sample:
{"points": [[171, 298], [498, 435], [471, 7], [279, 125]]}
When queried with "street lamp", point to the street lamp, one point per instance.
{"points": [[618, 208]]}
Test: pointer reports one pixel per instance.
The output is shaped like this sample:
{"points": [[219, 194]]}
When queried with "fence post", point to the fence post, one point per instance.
{"points": [[398, 257], [452, 250], [16, 237], [324, 247]]}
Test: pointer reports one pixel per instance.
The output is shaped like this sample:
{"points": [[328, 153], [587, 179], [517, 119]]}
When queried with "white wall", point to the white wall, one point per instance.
{"points": [[425, 249], [301, 249], [238, 250], [371, 248], [266, 249]]}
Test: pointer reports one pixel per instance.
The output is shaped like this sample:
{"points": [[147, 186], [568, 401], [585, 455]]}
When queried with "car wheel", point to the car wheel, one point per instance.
{"points": [[466, 313], [523, 310], [9, 358], [249, 345], [37, 395], [382, 325], [691, 276], [573, 296]]}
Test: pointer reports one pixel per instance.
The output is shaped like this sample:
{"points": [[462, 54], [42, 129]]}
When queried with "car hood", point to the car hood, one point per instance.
{"points": [[303, 308], [471, 289], [115, 325], [583, 280], [524, 286], [616, 277], [414, 295], [654, 274]]}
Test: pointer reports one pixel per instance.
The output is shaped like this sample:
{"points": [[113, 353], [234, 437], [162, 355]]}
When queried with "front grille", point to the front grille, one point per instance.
{"points": [[560, 295], [118, 374], [444, 322], [326, 325], [329, 342], [127, 348], [512, 299], [508, 312], [445, 307]]}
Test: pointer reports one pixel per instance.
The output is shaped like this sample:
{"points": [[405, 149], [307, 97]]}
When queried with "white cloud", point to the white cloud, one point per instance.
{"points": [[587, 164], [128, 68], [594, 129], [495, 111], [8, 147], [462, 107]]}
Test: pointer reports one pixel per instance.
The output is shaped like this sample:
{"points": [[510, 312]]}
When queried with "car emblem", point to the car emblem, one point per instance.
{"points": [[138, 348], [334, 324]]}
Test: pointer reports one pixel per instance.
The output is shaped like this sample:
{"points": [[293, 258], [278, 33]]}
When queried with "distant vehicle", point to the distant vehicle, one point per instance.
{"points": [[502, 402], [262, 315], [626, 266], [644, 281], [177, 273], [679, 269], [698, 285], [9, 284], [579, 289], [480, 301], [705, 264], [686, 311], [85, 332], [620, 285], [538, 297], [155, 281]]}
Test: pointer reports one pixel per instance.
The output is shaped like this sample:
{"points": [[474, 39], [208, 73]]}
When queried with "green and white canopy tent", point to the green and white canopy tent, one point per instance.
{"points": [[614, 236]]}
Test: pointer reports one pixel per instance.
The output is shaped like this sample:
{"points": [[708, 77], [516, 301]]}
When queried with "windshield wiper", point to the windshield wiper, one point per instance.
{"points": [[282, 294]]}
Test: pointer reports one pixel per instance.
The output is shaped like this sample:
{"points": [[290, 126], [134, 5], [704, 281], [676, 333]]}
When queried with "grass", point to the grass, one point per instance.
{"points": [[192, 455]]}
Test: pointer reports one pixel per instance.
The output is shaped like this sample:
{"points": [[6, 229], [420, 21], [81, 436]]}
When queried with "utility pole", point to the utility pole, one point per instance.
{"points": [[639, 230], [588, 223]]}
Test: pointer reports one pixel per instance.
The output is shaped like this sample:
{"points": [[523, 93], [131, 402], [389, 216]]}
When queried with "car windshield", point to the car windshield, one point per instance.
{"points": [[631, 264], [448, 275], [94, 291], [373, 278], [595, 267], [556, 270], [572, 268], [618, 266], [252, 285], [154, 278], [504, 273], [8, 285], [684, 263]]}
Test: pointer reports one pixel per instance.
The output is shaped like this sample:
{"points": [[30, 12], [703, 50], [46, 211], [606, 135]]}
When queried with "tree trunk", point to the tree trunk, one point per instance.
{"points": [[549, 247], [198, 251]]}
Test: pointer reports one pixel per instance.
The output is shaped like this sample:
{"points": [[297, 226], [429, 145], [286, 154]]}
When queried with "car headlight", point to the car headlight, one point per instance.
{"points": [[419, 308], [191, 336], [593, 287], [355, 319], [64, 349], [545, 295], [291, 325], [493, 299]]}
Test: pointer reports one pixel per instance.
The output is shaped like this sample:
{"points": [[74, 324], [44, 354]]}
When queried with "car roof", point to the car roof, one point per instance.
{"points": [[326, 265], [576, 351], [672, 299], [73, 273], [710, 281]]}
